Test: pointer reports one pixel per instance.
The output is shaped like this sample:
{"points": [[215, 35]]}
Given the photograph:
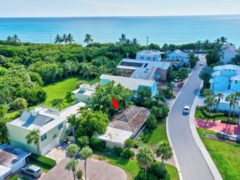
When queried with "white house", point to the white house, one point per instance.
{"points": [[226, 79], [11, 160], [178, 55], [84, 92], [144, 69], [228, 53], [52, 125], [149, 55], [126, 124], [131, 83]]}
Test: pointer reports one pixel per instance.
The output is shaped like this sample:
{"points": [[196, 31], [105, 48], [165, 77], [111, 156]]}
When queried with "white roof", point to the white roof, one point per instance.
{"points": [[235, 78], [149, 52], [86, 89], [4, 171], [43, 118], [149, 64], [71, 110], [130, 83], [116, 135], [227, 67], [180, 53]]}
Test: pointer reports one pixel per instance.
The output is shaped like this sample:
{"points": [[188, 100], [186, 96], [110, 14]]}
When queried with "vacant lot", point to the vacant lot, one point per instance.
{"points": [[226, 156]]}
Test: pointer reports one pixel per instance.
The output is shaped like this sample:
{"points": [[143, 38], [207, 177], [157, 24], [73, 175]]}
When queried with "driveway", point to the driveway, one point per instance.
{"points": [[191, 161], [96, 170]]}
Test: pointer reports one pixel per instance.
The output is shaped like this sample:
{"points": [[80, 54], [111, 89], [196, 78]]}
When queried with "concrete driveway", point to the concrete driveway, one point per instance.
{"points": [[96, 170], [190, 159]]}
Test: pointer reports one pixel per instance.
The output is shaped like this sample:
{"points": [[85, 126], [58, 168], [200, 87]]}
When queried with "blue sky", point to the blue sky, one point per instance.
{"points": [[49, 8]]}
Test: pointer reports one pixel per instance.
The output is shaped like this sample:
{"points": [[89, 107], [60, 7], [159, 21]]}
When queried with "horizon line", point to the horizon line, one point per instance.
{"points": [[119, 16]]}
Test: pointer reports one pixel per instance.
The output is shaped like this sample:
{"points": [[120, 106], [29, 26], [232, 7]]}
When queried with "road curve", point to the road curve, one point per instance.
{"points": [[191, 162]]}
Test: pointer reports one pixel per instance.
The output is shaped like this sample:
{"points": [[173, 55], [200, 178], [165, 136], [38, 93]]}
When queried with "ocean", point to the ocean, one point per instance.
{"points": [[160, 30]]}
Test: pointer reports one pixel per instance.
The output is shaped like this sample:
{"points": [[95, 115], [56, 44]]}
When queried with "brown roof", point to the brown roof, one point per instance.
{"points": [[130, 119]]}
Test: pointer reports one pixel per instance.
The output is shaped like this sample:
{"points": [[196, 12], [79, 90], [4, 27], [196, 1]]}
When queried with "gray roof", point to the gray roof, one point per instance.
{"points": [[130, 83], [10, 155], [131, 119]]}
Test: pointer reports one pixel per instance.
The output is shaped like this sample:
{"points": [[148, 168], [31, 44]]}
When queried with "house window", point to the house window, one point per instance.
{"points": [[60, 126], [43, 137]]}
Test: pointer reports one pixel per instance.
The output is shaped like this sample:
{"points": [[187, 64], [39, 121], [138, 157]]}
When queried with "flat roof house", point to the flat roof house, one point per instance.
{"points": [[11, 160], [149, 55], [51, 123], [226, 79], [228, 53], [131, 83], [84, 92], [126, 124], [144, 69], [179, 56]]}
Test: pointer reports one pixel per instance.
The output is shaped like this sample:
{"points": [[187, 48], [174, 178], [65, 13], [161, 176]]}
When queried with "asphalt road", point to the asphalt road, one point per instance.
{"points": [[191, 161]]}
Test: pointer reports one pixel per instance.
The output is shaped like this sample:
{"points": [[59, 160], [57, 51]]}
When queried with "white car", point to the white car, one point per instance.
{"points": [[186, 109]]}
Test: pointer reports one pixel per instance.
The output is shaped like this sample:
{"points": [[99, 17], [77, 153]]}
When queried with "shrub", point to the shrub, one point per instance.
{"points": [[117, 150], [159, 170], [97, 144], [18, 104], [43, 160], [148, 176], [151, 122], [127, 153], [83, 141], [130, 143]]}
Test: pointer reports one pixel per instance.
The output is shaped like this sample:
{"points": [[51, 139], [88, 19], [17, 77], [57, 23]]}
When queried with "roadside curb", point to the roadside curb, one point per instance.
{"points": [[202, 148]]}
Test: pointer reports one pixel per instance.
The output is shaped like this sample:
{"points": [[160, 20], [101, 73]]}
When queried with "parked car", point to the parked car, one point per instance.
{"points": [[32, 170], [186, 109]]}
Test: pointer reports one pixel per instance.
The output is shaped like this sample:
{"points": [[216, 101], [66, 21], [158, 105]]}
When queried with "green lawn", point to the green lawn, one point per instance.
{"points": [[172, 171], [158, 134], [60, 89], [226, 156]]}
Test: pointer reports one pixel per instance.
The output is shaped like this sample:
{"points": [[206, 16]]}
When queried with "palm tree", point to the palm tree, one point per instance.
{"points": [[123, 38], [145, 157], [134, 41], [58, 39], [73, 121], [232, 101], [88, 39], [219, 96], [86, 70], [34, 137], [223, 39], [85, 153], [65, 38], [208, 101], [164, 151], [9, 38], [15, 38], [71, 166], [70, 38]]}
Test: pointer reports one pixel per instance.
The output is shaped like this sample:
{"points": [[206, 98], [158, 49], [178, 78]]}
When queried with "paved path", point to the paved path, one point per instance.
{"points": [[218, 126], [96, 170], [190, 160]]}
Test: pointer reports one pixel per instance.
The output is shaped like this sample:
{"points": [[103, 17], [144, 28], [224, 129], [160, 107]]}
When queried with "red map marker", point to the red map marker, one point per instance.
{"points": [[115, 104]]}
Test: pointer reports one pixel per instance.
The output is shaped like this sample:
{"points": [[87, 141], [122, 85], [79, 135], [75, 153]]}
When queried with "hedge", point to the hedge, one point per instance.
{"points": [[43, 160], [206, 113]]}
